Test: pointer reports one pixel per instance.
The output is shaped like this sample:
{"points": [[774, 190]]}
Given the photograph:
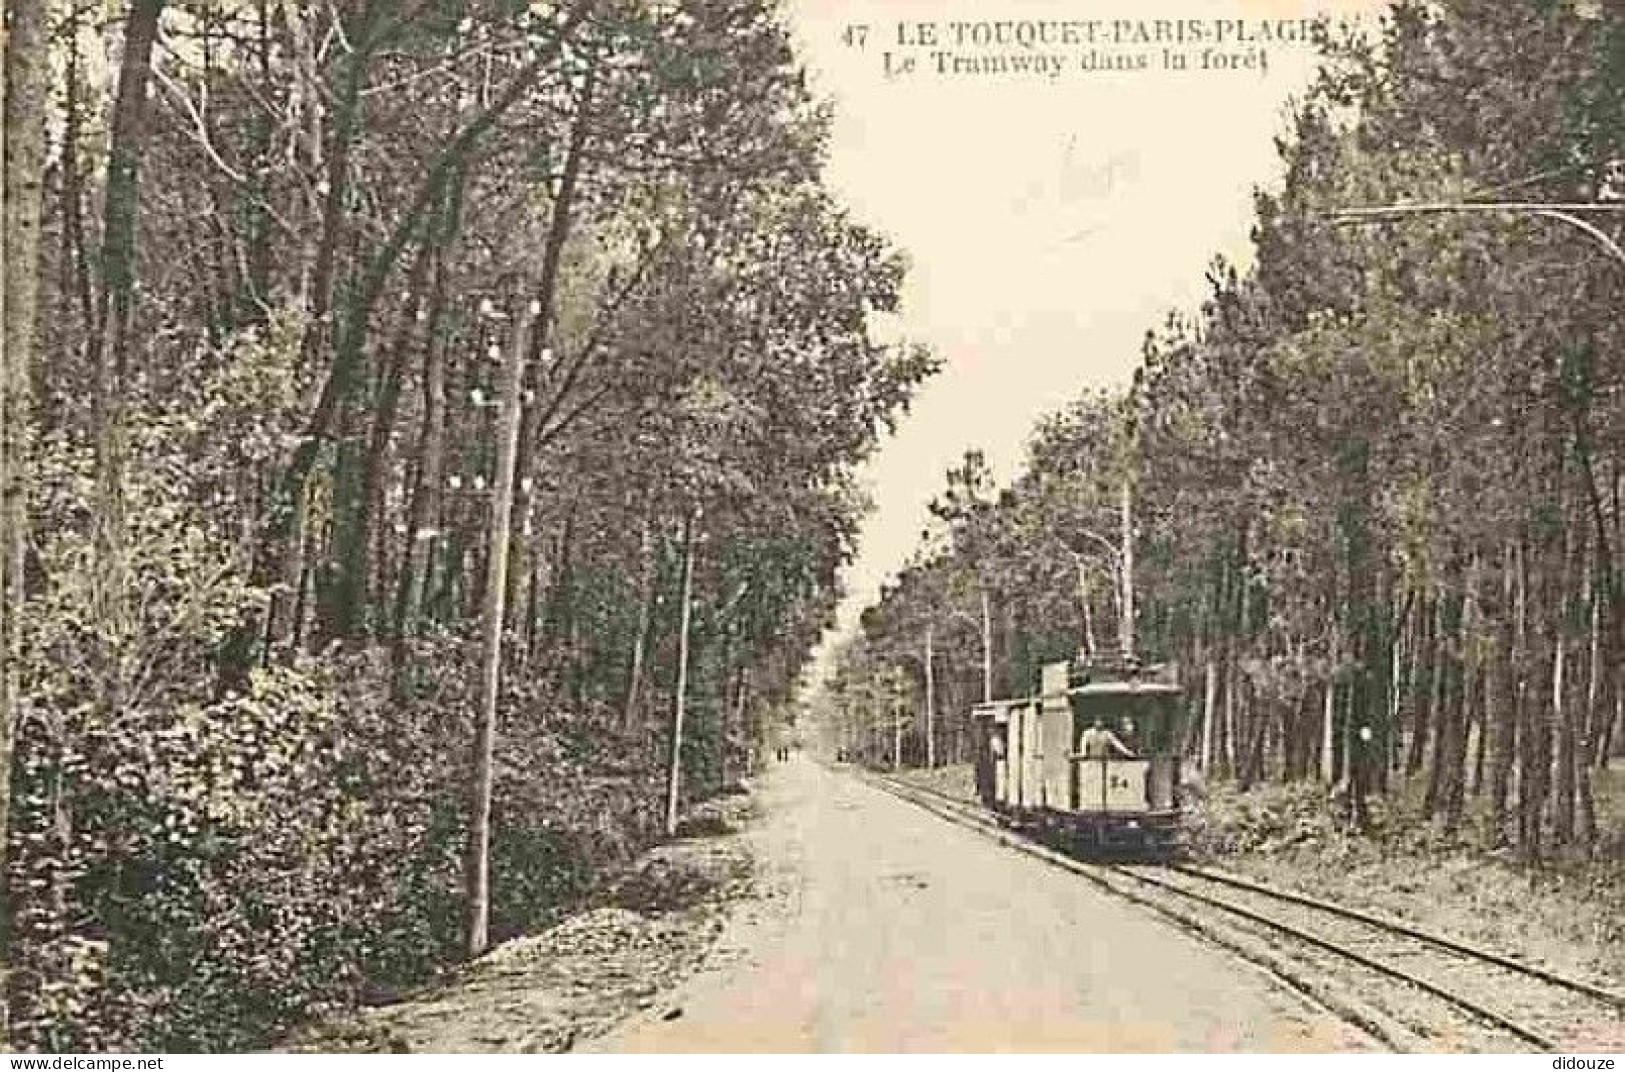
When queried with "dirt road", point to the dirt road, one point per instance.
{"points": [[900, 933]]}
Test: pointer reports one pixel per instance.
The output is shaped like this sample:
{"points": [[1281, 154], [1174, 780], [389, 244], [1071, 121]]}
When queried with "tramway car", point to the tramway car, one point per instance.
{"points": [[1093, 760]]}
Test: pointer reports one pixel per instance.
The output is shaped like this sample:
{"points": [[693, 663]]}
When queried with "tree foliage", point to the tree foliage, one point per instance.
{"points": [[262, 444], [1377, 476]]}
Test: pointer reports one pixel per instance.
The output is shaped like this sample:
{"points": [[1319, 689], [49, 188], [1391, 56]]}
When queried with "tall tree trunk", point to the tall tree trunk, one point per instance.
{"points": [[741, 691], [930, 701], [23, 91], [1400, 642], [422, 536], [286, 628], [353, 327], [1506, 699], [282, 553], [896, 731], [1229, 714], [254, 297], [558, 618], [110, 342], [477, 876], [1544, 758], [1367, 712], [1328, 731], [1425, 685], [364, 516], [533, 594], [1480, 724], [1606, 590], [674, 767], [76, 253], [1560, 761], [640, 636], [1613, 724], [558, 233], [1210, 711], [1441, 693], [1461, 703], [1563, 739], [1534, 737], [1593, 705]]}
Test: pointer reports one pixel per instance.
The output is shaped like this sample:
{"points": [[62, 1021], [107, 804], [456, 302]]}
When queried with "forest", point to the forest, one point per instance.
{"points": [[1373, 484], [427, 438]]}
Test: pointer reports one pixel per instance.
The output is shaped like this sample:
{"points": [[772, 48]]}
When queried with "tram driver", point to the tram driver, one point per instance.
{"points": [[1098, 742]]}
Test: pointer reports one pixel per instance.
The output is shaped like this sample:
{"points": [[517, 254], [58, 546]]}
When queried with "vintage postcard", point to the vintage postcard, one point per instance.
{"points": [[812, 526]]}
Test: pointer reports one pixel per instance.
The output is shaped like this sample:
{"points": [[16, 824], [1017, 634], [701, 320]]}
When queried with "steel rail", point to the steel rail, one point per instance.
{"points": [[1372, 919], [1386, 923], [1396, 926], [971, 816], [1398, 974]]}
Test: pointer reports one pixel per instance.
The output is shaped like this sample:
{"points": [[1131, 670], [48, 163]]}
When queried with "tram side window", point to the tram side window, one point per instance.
{"points": [[1149, 718]]}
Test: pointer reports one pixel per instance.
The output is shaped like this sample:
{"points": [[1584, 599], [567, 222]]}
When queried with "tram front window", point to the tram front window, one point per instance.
{"points": [[1098, 742]]}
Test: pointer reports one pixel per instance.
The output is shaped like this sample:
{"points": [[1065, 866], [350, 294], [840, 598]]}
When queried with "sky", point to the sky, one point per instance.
{"points": [[1051, 216]]}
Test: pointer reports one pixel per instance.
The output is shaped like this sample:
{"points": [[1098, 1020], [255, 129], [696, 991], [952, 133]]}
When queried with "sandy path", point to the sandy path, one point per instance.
{"points": [[898, 932]]}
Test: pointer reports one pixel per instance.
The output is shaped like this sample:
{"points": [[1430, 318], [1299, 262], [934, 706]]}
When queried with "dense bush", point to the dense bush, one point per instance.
{"points": [[258, 477], [1265, 818], [196, 871]]}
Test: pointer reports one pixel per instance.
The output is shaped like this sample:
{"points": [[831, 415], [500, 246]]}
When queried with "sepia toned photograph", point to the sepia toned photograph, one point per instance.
{"points": [[650, 527]]}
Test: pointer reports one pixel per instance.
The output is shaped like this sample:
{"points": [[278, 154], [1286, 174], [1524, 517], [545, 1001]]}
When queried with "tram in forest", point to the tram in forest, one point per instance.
{"points": [[1092, 760]]}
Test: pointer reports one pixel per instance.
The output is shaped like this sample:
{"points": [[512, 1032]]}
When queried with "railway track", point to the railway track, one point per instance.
{"points": [[1434, 992]]}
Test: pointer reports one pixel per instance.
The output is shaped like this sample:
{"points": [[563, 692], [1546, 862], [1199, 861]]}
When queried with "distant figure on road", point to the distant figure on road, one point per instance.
{"points": [[1098, 742]]}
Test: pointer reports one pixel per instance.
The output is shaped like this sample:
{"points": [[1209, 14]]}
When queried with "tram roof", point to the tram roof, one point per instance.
{"points": [[1131, 687], [1120, 687]]}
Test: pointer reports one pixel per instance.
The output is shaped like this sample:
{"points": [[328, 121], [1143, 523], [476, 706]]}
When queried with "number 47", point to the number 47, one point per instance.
{"points": [[855, 35]]}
